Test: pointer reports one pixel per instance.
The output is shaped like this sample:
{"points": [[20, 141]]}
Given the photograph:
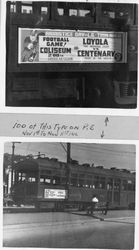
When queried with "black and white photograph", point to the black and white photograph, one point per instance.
{"points": [[71, 54], [69, 195], [69, 124]]}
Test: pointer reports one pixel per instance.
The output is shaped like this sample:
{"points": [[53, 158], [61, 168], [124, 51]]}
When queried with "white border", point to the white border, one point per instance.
{"points": [[10, 139], [83, 111]]}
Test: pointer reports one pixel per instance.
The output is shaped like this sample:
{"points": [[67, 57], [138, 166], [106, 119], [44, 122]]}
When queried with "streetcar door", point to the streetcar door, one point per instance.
{"points": [[116, 198], [109, 196], [110, 190]]}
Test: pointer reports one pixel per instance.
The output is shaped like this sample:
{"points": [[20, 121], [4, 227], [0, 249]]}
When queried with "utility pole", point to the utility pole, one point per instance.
{"points": [[68, 152], [12, 163], [68, 162], [12, 173]]}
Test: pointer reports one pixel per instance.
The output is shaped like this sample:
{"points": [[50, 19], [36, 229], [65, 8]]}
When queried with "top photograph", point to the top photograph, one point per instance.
{"points": [[71, 54]]}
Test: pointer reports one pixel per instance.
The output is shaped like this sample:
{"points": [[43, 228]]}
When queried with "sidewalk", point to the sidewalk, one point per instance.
{"points": [[24, 209], [97, 215]]}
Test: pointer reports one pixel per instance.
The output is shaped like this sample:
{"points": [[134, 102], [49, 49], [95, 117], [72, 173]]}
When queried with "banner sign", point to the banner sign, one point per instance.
{"points": [[70, 46], [55, 194]]}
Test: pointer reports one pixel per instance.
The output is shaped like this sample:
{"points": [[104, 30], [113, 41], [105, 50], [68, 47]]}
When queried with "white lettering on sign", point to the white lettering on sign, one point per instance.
{"points": [[67, 46]]}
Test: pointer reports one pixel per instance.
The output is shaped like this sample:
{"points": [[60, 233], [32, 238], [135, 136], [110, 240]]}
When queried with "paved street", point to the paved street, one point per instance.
{"points": [[69, 230]]}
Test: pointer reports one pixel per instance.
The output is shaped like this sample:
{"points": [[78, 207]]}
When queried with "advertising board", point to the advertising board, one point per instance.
{"points": [[55, 193], [70, 46]]}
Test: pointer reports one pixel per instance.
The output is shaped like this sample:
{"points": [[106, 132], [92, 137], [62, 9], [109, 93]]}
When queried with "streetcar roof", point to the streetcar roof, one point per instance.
{"points": [[52, 164]]}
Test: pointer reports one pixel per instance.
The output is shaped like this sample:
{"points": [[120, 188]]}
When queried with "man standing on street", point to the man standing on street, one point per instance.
{"points": [[94, 202]]}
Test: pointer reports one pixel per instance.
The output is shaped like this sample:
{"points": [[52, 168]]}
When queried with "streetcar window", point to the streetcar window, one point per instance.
{"points": [[116, 184], [45, 179], [102, 183], [44, 10], [56, 180], [12, 8], [76, 9], [26, 9], [110, 184], [84, 13], [129, 185], [75, 12], [124, 185], [60, 11], [72, 12], [31, 179], [118, 12], [21, 177], [28, 177], [109, 14]]}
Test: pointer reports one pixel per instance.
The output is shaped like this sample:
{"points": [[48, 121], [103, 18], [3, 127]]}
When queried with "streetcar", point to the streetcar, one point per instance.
{"points": [[51, 184], [71, 54]]}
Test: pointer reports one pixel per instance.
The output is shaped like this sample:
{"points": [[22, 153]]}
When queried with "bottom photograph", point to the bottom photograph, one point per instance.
{"points": [[69, 195]]}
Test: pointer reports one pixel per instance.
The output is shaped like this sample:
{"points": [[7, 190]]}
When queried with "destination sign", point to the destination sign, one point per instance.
{"points": [[55, 193], [70, 46]]}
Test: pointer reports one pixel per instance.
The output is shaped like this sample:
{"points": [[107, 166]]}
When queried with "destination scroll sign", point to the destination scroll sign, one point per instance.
{"points": [[55, 194], [69, 46]]}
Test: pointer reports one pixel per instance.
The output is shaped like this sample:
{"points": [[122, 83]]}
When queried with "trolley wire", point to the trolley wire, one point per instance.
{"points": [[95, 151], [78, 147]]}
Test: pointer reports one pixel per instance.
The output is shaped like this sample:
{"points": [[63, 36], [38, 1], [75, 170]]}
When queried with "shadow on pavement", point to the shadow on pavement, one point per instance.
{"points": [[88, 215], [117, 221], [106, 219]]}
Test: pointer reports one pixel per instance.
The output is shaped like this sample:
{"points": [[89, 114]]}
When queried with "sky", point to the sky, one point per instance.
{"points": [[107, 155]]}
